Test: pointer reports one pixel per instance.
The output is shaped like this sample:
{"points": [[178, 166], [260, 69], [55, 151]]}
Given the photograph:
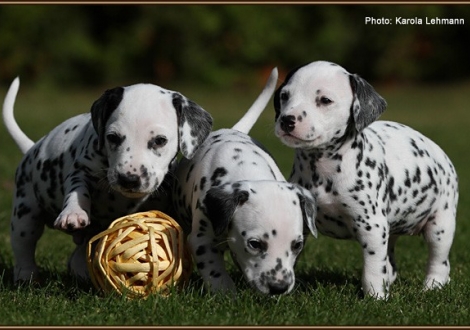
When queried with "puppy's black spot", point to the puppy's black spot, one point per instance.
{"points": [[219, 172], [201, 250]]}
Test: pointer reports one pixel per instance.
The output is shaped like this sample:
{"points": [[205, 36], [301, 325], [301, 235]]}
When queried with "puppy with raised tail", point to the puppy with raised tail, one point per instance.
{"points": [[96, 167], [232, 195], [373, 181]]}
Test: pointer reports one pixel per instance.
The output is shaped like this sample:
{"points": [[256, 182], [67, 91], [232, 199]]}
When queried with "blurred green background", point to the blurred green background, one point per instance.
{"points": [[226, 45]]}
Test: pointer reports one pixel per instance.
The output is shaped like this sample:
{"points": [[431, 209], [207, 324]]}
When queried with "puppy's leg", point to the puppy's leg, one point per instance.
{"points": [[375, 274], [76, 206], [27, 226], [439, 234], [77, 264], [391, 264], [208, 256]]}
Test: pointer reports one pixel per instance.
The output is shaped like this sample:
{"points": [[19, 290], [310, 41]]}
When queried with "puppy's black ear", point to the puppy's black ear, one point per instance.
{"points": [[277, 101], [102, 109], [194, 124], [220, 205], [277, 93], [309, 209], [367, 104]]}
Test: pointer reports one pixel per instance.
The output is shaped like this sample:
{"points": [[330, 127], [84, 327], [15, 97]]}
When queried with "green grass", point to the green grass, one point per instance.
{"points": [[328, 271]]}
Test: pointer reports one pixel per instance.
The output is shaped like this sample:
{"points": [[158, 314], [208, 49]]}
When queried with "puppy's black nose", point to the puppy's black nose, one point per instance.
{"points": [[278, 288], [129, 181], [288, 123]]}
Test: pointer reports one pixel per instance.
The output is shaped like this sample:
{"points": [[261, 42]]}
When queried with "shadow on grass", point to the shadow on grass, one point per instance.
{"points": [[66, 285], [54, 283], [6, 275], [313, 279], [310, 280]]}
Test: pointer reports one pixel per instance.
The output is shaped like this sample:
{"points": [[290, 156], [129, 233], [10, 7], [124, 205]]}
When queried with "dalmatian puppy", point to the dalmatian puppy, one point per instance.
{"points": [[373, 181], [98, 166], [231, 195]]}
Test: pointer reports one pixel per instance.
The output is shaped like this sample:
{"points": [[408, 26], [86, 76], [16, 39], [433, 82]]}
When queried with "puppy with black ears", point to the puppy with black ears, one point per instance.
{"points": [[373, 180], [98, 166], [231, 195]]}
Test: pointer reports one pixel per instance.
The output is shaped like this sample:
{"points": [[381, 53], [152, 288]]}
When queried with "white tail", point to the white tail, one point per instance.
{"points": [[23, 141], [245, 124]]}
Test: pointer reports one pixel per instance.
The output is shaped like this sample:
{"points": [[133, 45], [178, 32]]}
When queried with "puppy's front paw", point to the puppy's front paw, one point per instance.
{"points": [[26, 274], [433, 283], [223, 284], [71, 220], [77, 264]]}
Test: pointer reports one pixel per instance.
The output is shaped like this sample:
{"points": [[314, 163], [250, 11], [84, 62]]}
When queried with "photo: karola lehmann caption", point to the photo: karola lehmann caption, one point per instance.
{"points": [[413, 21]]}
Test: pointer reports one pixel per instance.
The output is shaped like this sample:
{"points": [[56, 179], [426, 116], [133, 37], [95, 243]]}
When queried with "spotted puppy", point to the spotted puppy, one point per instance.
{"points": [[373, 181], [232, 193], [97, 167]]}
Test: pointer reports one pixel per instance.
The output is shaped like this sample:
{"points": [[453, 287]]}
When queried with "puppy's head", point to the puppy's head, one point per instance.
{"points": [[141, 128], [264, 223], [321, 103]]}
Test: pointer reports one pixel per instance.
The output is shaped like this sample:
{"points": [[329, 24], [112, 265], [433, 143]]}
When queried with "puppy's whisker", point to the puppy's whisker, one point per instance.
{"points": [[104, 184], [223, 242]]}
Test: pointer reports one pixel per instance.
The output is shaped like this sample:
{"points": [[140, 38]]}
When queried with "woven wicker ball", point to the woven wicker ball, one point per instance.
{"points": [[139, 254]]}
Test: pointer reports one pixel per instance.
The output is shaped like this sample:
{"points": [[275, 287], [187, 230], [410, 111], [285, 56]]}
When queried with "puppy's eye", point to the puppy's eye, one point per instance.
{"points": [[284, 96], [256, 245], [297, 246], [160, 141], [114, 139], [325, 101], [157, 142]]}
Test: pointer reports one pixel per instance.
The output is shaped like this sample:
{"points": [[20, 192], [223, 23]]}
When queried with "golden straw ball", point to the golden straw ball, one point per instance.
{"points": [[139, 254]]}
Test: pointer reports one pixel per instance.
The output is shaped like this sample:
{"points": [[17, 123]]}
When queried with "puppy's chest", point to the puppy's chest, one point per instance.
{"points": [[334, 216], [345, 187], [328, 183], [107, 206]]}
